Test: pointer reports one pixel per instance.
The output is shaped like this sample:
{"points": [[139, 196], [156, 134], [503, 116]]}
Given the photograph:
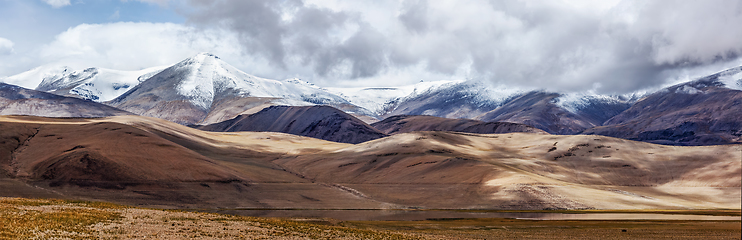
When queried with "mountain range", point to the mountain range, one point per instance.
{"points": [[202, 134], [204, 90], [701, 112]]}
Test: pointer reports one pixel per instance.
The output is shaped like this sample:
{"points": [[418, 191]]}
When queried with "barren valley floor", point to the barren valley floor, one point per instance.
{"points": [[156, 164], [40, 218]]}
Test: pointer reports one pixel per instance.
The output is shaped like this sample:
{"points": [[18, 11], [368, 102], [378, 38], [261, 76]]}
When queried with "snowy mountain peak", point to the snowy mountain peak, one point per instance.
{"points": [[199, 84], [67, 77], [32, 78], [204, 79], [97, 84], [205, 55]]}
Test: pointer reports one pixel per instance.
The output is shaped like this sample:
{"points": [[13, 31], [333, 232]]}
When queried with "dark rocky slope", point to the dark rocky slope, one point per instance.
{"points": [[321, 122], [701, 112], [405, 123], [538, 109]]}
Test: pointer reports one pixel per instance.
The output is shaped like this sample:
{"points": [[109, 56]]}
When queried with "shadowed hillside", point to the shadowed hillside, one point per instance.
{"points": [[321, 122], [404, 124]]}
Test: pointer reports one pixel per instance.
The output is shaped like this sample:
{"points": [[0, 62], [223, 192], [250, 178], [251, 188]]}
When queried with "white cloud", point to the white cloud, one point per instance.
{"points": [[130, 46], [694, 31], [558, 45], [617, 45], [6, 46], [134, 46], [57, 3]]}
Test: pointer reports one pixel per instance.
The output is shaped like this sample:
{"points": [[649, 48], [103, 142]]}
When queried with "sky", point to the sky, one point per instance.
{"points": [[608, 47]]}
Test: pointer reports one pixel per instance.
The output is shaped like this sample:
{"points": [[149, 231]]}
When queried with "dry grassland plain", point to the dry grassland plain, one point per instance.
{"points": [[60, 219]]}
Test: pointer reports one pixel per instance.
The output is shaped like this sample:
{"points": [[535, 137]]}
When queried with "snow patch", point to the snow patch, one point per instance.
{"points": [[199, 85], [497, 94], [377, 98], [733, 79], [686, 89], [574, 102], [108, 84]]}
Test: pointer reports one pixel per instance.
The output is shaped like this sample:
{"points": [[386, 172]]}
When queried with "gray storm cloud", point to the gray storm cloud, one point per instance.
{"points": [[554, 45]]}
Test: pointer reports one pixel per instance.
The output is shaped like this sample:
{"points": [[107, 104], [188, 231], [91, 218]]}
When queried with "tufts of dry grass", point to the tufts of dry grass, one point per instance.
{"points": [[45, 219], [194, 225], [26, 218], [61, 219]]}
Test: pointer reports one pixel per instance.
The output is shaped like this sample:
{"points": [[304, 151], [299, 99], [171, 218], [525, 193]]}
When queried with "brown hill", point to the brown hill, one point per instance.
{"points": [[145, 161], [530, 171], [139, 160], [406, 123], [323, 122]]}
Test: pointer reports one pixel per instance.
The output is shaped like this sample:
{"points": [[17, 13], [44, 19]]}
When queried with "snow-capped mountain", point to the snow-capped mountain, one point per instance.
{"points": [[16, 100], [206, 76], [704, 111], [549, 111], [32, 78], [555, 113], [204, 89], [596, 108], [96, 84], [448, 98], [201, 89], [378, 99]]}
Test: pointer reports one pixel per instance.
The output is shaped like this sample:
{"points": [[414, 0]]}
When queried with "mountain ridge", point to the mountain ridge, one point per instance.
{"points": [[204, 89], [700, 112]]}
